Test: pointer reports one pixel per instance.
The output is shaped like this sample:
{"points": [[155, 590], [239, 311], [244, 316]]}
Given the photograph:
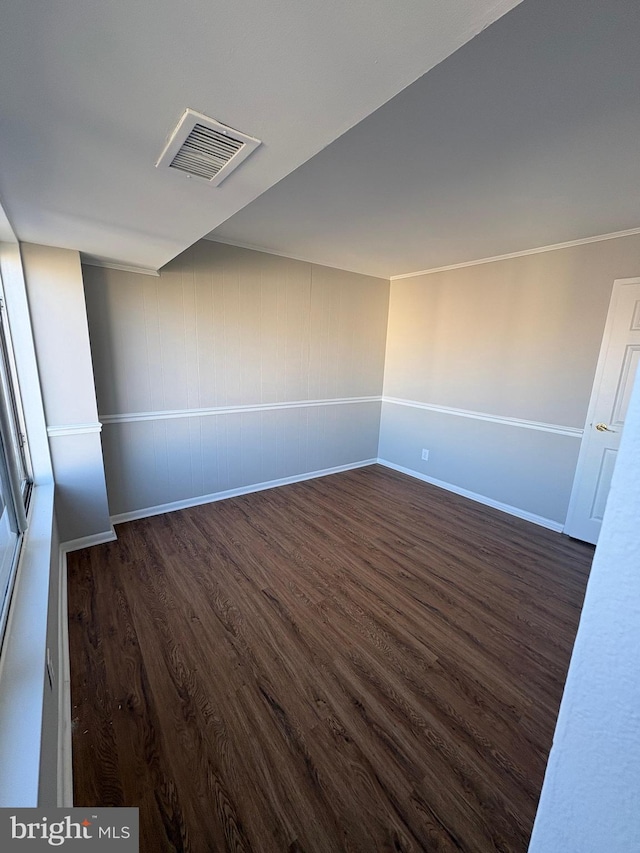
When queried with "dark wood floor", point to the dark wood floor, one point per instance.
{"points": [[361, 662]]}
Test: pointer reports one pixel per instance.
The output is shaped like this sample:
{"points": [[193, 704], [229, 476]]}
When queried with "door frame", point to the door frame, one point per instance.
{"points": [[579, 476]]}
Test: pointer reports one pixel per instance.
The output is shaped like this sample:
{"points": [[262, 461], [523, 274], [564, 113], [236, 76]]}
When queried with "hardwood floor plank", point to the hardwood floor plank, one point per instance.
{"points": [[357, 663]]}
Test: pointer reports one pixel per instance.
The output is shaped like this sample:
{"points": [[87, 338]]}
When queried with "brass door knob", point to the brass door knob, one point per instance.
{"points": [[604, 428]]}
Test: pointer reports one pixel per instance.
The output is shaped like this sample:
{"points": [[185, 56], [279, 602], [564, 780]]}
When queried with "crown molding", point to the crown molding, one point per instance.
{"points": [[540, 250], [93, 261]]}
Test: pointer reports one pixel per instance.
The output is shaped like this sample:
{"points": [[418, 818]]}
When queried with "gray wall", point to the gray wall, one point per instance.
{"points": [[226, 328], [179, 358], [58, 318], [514, 339]]}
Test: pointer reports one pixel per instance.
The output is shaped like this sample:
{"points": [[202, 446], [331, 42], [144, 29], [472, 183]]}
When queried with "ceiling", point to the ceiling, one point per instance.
{"points": [[527, 136], [90, 91]]}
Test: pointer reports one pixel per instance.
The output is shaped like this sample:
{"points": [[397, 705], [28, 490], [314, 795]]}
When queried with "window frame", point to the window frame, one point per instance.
{"points": [[15, 462], [23, 654]]}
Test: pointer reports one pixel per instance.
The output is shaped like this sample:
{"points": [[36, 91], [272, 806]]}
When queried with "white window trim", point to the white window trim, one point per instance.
{"points": [[23, 658], [22, 666]]}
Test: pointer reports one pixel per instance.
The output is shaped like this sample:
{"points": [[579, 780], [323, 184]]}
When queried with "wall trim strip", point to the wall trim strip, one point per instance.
{"points": [[93, 261], [474, 496], [581, 241], [170, 414], [65, 758], [234, 493], [88, 541], [73, 429], [22, 674], [558, 429], [285, 481], [130, 417], [614, 235]]}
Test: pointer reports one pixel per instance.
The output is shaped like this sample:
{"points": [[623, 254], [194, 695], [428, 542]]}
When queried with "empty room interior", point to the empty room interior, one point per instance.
{"points": [[319, 420]]}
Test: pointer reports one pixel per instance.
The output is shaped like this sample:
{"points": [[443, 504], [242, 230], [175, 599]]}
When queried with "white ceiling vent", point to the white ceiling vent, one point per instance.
{"points": [[204, 148]]}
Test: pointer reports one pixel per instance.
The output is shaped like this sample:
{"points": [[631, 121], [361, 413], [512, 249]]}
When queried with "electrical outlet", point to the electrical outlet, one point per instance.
{"points": [[425, 455]]}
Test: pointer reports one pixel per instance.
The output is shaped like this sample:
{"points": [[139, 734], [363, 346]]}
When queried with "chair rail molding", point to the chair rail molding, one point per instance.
{"points": [[558, 429], [73, 429], [130, 417]]}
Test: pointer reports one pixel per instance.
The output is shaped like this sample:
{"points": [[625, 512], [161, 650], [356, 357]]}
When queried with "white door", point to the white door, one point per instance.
{"points": [[617, 365]]}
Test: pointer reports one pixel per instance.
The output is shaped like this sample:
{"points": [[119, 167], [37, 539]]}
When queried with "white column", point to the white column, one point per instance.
{"points": [[58, 315]]}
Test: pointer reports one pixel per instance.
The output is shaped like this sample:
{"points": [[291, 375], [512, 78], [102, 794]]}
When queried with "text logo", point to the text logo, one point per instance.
{"points": [[77, 829]]}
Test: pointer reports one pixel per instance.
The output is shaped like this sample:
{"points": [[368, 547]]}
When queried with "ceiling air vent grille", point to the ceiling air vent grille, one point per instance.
{"points": [[204, 148]]}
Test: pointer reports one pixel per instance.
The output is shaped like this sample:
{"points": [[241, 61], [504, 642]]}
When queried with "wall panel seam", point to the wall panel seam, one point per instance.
{"points": [[558, 429]]}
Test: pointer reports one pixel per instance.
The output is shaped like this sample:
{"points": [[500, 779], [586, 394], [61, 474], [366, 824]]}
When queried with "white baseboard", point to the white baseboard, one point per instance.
{"points": [[160, 509], [147, 512], [88, 541], [474, 496], [65, 758]]}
